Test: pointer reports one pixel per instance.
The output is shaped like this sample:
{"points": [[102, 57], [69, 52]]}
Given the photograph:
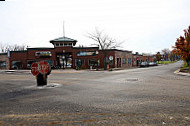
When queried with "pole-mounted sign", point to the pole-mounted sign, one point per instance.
{"points": [[35, 69], [41, 70], [44, 67]]}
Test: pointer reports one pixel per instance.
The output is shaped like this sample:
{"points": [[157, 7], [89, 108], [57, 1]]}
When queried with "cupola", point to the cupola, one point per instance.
{"points": [[63, 41]]}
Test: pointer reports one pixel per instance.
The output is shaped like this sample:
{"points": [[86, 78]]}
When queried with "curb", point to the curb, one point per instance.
{"points": [[181, 73]]}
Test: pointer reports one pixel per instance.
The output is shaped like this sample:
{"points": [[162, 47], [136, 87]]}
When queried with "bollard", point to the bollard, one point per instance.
{"points": [[41, 70]]}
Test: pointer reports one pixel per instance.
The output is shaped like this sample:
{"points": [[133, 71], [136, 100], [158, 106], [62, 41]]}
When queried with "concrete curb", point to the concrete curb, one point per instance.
{"points": [[181, 73]]}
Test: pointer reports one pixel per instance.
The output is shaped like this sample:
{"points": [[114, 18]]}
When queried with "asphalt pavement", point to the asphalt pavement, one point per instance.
{"points": [[140, 96]]}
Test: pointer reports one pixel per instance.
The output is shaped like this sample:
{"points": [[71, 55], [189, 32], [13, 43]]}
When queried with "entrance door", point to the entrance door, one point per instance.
{"points": [[118, 62], [137, 62], [64, 60]]}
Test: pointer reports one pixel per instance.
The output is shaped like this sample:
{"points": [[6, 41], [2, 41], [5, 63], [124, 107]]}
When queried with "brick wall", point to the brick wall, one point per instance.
{"points": [[125, 57], [18, 56], [4, 57]]}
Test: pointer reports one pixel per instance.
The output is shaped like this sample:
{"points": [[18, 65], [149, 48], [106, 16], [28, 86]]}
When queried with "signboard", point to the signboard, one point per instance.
{"points": [[34, 69], [110, 57], [43, 67], [44, 54], [89, 53]]}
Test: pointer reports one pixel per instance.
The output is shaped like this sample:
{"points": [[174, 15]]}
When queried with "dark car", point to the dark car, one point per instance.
{"points": [[144, 64]]}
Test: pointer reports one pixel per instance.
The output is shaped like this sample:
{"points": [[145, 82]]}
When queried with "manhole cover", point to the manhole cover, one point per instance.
{"points": [[132, 79]]}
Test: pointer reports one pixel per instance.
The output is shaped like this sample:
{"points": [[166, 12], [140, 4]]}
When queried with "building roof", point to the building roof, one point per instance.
{"points": [[118, 50], [86, 48], [3, 53], [40, 48], [63, 39]]}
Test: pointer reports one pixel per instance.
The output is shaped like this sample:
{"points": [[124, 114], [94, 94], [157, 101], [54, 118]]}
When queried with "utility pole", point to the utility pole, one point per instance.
{"points": [[63, 28]]}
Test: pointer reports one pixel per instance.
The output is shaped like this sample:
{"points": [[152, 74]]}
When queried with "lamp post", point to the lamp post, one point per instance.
{"points": [[97, 60]]}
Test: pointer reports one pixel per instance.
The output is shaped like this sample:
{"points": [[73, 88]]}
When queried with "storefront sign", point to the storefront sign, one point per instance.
{"points": [[86, 53], [44, 54]]}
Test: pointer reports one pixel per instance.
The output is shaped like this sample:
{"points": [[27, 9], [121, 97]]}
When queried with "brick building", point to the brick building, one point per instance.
{"points": [[4, 61], [66, 55], [138, 59]]}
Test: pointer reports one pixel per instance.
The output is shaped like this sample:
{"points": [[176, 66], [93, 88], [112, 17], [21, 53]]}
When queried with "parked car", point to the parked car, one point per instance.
{"points": [[152, 64], [144, 64]]}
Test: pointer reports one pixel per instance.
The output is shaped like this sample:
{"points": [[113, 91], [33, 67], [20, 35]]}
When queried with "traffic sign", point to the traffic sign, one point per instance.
{"points": [[35, 69], [43, 67]]}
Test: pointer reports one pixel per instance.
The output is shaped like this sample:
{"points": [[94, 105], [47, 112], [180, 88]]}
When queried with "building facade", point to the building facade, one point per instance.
{"points": [[66, 55]]}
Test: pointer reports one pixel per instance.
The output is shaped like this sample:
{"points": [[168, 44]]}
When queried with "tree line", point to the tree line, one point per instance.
{"points": [[166, 55], [4, 48]]}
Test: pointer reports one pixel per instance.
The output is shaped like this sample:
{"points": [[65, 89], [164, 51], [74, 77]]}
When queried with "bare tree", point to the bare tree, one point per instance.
{"points": [[104, 42], [166, 54], [2, 46], [5, 47]]}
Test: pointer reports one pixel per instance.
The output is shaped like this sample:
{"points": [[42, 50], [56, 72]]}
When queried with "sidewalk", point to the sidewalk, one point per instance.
{"points": [[15, 71], [62, 70], [181, 73]]}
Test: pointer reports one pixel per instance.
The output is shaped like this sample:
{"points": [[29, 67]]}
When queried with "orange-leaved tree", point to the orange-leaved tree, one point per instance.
{"points": [[182, 46]]}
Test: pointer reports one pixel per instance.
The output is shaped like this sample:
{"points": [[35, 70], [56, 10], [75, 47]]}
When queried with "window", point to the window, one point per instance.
{"points": [[2, 64], [79, 62], [129, 60], [70, 44], [57, 44], [124, 60], [29, 63], [50, 62], [65, 44], [61, 44], [16, 64], [92, 62]]}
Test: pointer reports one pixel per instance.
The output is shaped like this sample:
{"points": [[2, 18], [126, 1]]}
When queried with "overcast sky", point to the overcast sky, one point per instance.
{"points": [[145, 25]]}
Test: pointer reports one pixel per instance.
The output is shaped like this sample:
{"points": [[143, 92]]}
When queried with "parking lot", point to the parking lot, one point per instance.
{"points": [[141, 96]]}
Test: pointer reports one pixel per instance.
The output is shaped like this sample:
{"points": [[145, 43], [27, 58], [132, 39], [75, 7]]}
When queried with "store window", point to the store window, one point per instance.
{"points": [[124, 60], [16, 65], [79, 62], [29, 63], [92, 62], [2, 64], [129, 60], [50, 62]]}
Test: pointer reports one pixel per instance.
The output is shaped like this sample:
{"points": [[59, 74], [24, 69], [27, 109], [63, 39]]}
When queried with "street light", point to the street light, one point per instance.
{"points": [[97, 60]]}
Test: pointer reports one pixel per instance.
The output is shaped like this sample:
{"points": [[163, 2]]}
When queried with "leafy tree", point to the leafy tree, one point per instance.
{"points": [[158, 56], [182, 46]]}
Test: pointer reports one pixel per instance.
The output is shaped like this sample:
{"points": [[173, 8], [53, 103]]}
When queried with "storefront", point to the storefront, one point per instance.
{"points": [[65, 55]]}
